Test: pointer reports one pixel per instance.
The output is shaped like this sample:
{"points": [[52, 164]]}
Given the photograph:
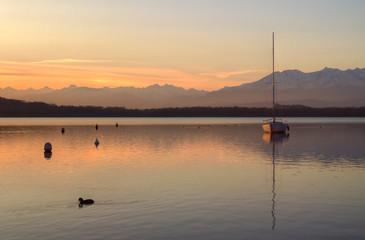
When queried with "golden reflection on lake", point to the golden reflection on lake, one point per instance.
{"points": [[179, 181]]}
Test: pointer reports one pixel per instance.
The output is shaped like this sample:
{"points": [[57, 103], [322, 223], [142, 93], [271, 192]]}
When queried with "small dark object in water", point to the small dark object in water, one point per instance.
{"points": [[96, 126], [116, 124], [47, 155], [47, 147], [63, 130], [86, 201]]}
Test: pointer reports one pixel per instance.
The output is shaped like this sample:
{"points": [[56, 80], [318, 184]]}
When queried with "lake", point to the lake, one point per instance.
{"points": [[182, 178]]}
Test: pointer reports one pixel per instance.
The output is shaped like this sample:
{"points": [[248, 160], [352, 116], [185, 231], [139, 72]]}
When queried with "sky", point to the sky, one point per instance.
{"points": [[201, 44]]}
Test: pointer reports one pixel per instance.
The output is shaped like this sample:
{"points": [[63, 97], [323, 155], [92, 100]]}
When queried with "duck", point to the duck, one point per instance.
{"points": [[86, 201]]}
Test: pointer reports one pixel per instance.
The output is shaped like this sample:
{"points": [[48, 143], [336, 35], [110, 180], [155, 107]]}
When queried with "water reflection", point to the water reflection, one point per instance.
{"points": [[47, 155], [216, 182], [96, 142], [273, 139]]}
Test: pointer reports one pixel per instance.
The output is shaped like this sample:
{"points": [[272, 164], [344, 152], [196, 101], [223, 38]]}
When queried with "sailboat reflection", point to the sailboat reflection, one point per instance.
{"points": [[273, 139]]}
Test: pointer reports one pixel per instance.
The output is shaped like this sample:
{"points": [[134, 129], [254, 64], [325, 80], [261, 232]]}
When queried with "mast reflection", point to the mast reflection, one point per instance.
{"points": [[273, 139]]}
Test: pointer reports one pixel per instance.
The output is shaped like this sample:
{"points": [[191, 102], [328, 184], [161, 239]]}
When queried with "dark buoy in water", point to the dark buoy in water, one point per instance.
{"points": [[63, 130], [47, 150], [85, 202], [116, 125], [96, 126], [96, 142], [47, 147]]}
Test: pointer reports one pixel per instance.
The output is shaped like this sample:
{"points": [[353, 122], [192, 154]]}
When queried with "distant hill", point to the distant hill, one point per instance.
{"points": [[18, 108], [130, 97], [325, 88]]}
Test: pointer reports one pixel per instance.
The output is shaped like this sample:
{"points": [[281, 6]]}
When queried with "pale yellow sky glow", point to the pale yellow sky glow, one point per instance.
{"points": [[229, 74], [204, 44], [73, 61]]}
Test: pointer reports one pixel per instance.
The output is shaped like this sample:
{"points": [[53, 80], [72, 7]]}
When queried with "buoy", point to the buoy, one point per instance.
{"points": [[96, 142], [63, 130], [116, 124], [96, 126], [47, 147]]}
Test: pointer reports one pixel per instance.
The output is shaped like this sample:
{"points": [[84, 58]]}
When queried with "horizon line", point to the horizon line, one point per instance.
{"points": [[167, 84]]}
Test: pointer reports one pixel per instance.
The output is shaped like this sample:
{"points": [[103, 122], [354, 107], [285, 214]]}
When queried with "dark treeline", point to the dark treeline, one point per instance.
{"points": [[17, 108]]}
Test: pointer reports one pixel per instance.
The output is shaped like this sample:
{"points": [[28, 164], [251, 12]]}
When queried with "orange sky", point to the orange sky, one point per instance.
{"points": [[192, 44], [99, 73]]}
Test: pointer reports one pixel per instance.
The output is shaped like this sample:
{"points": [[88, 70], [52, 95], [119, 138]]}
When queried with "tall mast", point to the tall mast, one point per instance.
{"points": [[273, 80]]}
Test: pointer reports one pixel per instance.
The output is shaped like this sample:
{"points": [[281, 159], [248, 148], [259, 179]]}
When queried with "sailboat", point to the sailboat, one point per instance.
{"points": [[274, 125]]}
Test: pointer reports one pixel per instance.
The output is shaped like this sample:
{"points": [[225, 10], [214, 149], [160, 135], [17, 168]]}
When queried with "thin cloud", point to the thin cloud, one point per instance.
{"points": [[14, 74], [229, 74], [71, 60]]}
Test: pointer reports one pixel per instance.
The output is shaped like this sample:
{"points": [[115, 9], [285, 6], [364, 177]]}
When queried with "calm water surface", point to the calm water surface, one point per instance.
{"points": [[176, 178]]}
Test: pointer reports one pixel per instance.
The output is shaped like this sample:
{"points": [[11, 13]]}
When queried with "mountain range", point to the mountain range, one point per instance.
{"points": [[326, 88]]}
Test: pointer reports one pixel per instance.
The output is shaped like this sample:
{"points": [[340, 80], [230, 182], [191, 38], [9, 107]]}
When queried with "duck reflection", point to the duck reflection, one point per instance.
{"points": [[274, 139]]}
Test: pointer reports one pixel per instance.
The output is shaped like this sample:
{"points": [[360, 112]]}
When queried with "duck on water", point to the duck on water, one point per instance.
{"points": [[85, 202]]}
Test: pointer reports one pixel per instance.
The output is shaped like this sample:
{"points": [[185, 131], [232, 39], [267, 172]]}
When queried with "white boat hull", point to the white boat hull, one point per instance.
{"points": [[275, 127]]}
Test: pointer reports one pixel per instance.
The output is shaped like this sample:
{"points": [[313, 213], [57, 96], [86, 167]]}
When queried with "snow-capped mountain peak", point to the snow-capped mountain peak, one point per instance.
{"points": [[326, 78]]}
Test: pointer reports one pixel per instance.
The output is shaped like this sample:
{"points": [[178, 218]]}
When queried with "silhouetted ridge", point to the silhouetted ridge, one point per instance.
{"points": [[18, 108]]}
